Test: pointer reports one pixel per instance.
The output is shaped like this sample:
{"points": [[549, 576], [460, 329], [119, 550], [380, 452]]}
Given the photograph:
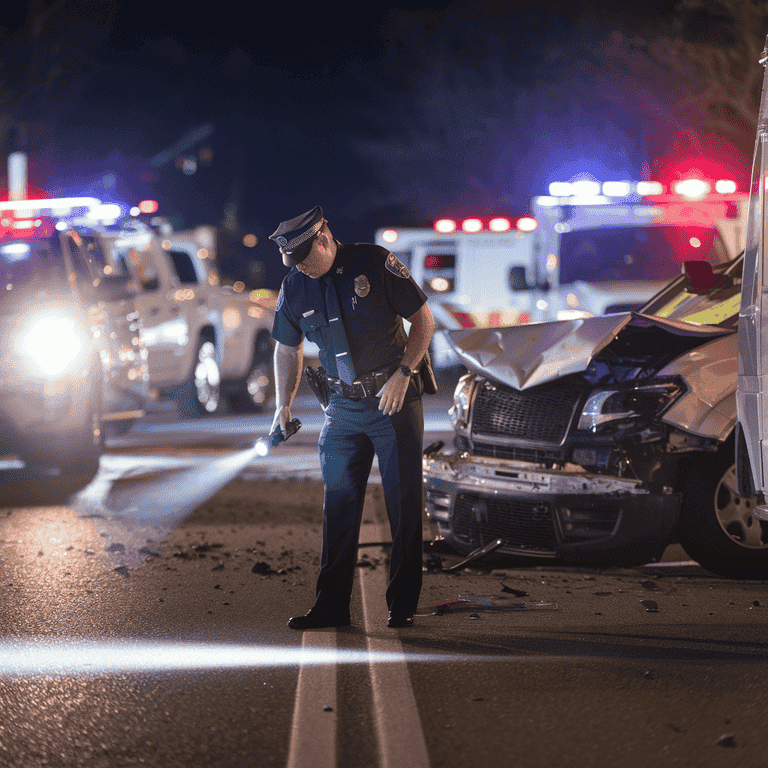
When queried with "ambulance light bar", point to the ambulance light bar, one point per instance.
{"points": [[496, 224], [587, 192]]}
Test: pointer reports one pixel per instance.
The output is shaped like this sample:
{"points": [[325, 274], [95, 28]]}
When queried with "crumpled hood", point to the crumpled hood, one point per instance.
{"points": [[524, 356]]}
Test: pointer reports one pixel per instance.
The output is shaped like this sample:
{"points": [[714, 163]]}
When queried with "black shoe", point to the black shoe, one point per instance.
{"points": [[398, 620], [317, 620]]}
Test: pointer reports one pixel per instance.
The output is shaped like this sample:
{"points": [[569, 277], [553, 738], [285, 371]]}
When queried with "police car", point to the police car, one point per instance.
{"points": [[72, 361]]}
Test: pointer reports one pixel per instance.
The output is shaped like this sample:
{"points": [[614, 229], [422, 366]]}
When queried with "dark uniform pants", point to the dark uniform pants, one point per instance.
{"points": [[353, 432]]}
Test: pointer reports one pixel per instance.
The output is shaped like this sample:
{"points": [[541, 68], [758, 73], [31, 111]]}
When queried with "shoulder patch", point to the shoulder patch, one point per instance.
{"points": [[280, 299], [396, 267]]}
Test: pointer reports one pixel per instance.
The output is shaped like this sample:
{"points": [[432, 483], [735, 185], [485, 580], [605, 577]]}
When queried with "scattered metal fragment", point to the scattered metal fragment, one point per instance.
{"points": [[326, 708], [489, 602], [727, 740], [515, 592], [651, 606], [475, 555]]}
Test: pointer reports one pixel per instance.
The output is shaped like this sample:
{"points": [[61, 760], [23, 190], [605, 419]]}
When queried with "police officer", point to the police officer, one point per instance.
{"points": [[351, 300]]}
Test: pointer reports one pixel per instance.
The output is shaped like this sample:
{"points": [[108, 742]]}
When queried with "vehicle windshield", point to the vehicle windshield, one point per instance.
{"points": [[718, 305], [30, 263], [633, 253]]}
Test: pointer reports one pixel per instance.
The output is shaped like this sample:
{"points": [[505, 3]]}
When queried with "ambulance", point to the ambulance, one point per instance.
{"points": [[752, 389], [587, 249]]}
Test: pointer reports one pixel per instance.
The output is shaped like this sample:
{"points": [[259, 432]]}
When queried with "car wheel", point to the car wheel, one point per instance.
{"points": [[70, 462], [254, 392], [199, 395], [718, 527]]}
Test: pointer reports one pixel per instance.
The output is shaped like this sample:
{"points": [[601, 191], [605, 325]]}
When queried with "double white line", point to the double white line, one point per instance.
{"points": [[315, 717]]}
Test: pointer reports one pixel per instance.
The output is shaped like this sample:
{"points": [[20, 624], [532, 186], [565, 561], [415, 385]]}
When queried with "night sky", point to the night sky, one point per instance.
{"points": [[321, 106]]}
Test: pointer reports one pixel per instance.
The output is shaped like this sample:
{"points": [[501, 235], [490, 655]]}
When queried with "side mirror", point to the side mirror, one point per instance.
{"points": [[701, 277], [517, 279]]}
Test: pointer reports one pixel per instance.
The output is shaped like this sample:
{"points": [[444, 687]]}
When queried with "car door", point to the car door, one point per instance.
{"points": [[164, 326], [752, 392]]}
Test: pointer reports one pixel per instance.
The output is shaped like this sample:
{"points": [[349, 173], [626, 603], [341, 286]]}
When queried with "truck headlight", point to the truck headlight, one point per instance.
{"points": [[51, 345], [644, 401], [459, 411]]}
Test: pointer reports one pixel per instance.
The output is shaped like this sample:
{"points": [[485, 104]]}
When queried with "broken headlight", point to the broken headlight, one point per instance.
{"points": [[459, 411], [648, 401]]}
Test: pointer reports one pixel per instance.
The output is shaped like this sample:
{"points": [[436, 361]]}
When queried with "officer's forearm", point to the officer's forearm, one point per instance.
{"points": [[419, 337], [288, 362]]}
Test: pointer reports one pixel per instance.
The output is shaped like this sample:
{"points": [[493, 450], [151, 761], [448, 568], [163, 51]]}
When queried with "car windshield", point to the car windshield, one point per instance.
{"points": [[717, 304], [633, 253], [30, 262]]}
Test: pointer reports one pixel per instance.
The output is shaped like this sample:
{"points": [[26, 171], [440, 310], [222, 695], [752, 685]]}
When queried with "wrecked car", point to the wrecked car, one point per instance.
{"points": [[602, 440]]}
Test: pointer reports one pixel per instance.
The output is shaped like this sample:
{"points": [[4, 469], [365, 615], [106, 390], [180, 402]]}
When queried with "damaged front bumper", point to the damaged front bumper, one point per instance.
{"points": [[546, 513]]}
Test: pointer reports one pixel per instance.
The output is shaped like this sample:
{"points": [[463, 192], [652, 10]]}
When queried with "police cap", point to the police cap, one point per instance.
{"points": [[294, 237]]}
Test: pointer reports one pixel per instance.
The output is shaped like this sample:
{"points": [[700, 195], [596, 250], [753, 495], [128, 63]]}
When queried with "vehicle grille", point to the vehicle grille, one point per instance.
{"points": [[542, 414], [514, 453], [478, 520]]}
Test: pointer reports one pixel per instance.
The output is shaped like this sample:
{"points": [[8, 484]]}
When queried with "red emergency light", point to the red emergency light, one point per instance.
{"points": [[148, 206], [13, 228], [497, 224]]}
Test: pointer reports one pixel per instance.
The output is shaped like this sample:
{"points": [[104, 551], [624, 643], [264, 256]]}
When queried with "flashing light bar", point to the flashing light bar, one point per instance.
{"points": [[585, 192], [472, 225], [55, 204]]}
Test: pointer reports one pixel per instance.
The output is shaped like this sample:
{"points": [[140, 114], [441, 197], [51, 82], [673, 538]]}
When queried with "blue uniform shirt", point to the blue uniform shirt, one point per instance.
{"points": [[375, 293]]}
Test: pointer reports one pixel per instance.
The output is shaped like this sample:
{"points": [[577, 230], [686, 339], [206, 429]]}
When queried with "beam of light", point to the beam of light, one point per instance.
{"points": [[44, 657]]}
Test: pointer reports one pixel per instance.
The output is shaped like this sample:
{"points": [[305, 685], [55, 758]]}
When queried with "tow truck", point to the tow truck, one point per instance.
{"points": [[587, 249]]}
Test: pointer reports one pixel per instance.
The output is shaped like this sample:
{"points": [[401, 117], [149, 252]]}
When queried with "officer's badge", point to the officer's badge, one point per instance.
{"points": [[396, 267], [362, 286]]}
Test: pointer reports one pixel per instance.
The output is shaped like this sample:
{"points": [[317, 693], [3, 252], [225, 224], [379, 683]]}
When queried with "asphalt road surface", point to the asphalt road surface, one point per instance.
{"points": [[144, 623]]}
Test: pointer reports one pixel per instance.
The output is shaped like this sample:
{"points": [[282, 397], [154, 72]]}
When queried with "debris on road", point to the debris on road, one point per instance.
{"points": [[488, 602]]}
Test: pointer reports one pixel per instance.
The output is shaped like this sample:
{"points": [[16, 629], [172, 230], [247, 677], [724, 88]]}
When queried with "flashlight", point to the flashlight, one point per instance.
{"points": [[265, 444]]}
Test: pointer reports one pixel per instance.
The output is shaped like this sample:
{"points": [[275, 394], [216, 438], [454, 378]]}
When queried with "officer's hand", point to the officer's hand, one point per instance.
{"points": [[282, 417], [392, 394]]}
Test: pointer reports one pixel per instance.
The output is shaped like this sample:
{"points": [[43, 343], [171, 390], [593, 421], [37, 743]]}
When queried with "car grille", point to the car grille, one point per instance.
{"points": [[542, 414], [534, 456], [478, 520]]}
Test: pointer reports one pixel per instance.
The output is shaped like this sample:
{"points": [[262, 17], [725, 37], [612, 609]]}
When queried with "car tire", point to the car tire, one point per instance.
{"points": [[71, 463], [254, 393], [200, 394], [717, 527]]}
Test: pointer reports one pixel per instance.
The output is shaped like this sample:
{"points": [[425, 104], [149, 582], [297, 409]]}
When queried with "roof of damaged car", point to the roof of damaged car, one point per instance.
{"points": [[524, 356]]}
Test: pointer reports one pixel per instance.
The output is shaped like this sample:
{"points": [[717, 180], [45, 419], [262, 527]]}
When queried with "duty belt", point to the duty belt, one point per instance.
{"points": [[366, 385]]}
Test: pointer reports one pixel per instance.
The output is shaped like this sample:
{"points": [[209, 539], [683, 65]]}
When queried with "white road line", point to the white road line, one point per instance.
{"points": [[398, 726], [313, 733]]}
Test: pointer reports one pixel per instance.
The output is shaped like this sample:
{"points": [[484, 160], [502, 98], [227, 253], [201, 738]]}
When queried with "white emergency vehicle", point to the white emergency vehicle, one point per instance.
{"points": [[752, 391], [588, 249]]}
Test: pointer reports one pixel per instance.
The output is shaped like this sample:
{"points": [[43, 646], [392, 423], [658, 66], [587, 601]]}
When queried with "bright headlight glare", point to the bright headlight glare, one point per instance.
{"points": [[459, 411], [648, 401], [51, 345]]}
